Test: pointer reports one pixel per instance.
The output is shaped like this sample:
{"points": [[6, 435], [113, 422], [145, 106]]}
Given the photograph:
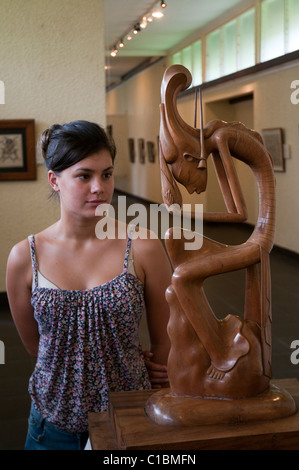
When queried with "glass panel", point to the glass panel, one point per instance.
{"points": [[292, 25], [272, 29], [197, 65], [246, 39], [187, 58], [213, 55], [229, 47], [176, 58]]}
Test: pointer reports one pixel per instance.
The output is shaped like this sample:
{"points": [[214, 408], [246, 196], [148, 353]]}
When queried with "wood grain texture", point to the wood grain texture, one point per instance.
{"points": [[228, 358]]}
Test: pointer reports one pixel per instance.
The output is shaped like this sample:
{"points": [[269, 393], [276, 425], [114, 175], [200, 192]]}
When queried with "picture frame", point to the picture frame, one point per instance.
{"points": [[151, 151], [273, 141], [17, 150], [131, 144], [109, 130], [141, 150]]}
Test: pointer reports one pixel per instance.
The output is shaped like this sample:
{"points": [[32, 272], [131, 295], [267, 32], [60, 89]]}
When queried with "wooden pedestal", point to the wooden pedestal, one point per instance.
{"points": [[126, 427]]}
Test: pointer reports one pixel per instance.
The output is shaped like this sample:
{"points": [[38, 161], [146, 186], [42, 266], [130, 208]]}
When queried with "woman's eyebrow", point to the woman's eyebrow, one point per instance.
{"points": [[92, 171], [84, 169]]}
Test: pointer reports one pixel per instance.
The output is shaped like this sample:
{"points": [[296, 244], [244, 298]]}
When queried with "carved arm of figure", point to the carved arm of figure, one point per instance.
{"points": [[181, 143]]}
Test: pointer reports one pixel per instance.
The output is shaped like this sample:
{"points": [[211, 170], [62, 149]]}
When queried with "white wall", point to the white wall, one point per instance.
{"points": [[138, 100], [52, 66], [272, 107], [135, 105]]}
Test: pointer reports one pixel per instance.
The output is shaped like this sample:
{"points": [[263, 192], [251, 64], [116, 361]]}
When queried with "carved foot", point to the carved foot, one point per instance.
{"points": [[215, 373], [233, 346]]}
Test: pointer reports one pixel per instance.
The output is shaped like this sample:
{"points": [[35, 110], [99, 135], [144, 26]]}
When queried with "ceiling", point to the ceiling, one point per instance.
{"points": [[181, 20]]}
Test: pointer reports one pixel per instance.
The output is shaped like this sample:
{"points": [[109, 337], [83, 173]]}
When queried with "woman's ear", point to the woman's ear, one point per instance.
{"points": [[53, 180]]}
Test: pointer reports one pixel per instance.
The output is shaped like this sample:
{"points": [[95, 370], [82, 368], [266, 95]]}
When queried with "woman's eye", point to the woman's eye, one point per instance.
{"points": [[83, 176], [107, 175]]}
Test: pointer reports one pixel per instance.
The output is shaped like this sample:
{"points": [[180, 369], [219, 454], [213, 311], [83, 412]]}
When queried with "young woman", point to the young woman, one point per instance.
{"points": [[77, 300]]}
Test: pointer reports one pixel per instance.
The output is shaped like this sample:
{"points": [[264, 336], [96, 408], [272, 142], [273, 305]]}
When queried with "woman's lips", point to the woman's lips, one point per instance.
{"points": [[95, 202]]}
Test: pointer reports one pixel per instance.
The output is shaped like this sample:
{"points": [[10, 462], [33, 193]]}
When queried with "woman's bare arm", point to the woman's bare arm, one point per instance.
{"points": [[18, 284], [157, 277]]}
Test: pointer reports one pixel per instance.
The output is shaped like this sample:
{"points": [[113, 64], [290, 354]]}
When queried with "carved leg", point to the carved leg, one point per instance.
{"points": [[223, 340], [252, 310], [187, 361]]}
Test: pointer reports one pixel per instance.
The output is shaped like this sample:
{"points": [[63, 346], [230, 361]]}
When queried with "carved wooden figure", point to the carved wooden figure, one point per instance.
{"points": [[210, 359]]}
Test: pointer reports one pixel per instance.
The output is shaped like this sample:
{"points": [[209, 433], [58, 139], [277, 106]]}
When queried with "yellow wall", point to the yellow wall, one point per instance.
{"points": [[271, 107], [52, 66]]}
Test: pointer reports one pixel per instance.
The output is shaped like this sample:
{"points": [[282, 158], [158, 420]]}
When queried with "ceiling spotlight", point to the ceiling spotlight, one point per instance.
{"points": [[143, 24], [163, 4], [114, 51], [121, 43], [136, 28], [158, 13], [129, 37]]}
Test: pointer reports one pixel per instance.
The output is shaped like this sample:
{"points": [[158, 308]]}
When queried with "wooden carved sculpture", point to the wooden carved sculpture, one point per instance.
{"points": [[215, 364]]}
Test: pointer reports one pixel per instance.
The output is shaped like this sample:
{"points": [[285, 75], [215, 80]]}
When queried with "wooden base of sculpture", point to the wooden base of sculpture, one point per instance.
{"points": [[127, 427], [164, 408]]}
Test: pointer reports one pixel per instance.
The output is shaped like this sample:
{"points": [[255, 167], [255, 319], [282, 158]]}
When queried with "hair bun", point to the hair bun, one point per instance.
{"points": [[46, 139], [64, 145]]}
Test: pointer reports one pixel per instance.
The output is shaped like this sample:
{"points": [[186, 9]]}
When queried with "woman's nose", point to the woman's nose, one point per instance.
{"points": [[96, 187]]}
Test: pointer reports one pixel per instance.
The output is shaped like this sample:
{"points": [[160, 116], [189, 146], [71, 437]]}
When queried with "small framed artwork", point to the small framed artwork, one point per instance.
{"points": [[273, 141], [141, 150], [17, 150], [131, 150], [151, 151], [109, 130]]}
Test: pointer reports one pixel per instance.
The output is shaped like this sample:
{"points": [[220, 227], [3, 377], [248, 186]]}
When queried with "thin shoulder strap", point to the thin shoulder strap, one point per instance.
{"points": [[128, 250], [33, 259]]}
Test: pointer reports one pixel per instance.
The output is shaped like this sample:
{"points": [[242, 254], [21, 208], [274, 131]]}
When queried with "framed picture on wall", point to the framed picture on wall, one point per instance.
{"points": [[17, 150], [109, 130], [131, 150], [151, 151], [273, 141], [141, 150]]}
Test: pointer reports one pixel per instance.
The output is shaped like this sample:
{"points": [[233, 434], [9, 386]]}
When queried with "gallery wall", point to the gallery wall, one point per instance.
{"points": [[51, 73]]}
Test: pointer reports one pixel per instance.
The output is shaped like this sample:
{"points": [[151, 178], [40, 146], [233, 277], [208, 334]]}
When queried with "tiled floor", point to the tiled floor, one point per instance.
{"points": [[225, 296]]}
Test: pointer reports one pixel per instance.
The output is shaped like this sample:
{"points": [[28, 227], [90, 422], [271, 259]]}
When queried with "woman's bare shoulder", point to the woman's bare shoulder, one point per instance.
{"points": [[19, 265], [20, 253], [150, 250], [147, 241]]}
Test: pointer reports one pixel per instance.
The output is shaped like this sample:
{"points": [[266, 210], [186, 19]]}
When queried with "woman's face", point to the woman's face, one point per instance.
{"points": [[86, 184]]}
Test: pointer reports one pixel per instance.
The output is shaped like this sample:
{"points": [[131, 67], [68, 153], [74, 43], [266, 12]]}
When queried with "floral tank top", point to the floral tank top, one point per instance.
{"points": [[89, 345]]}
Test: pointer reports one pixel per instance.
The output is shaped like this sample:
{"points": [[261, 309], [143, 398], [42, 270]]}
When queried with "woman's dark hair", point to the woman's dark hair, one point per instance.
{"points": [[64, 145]]}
